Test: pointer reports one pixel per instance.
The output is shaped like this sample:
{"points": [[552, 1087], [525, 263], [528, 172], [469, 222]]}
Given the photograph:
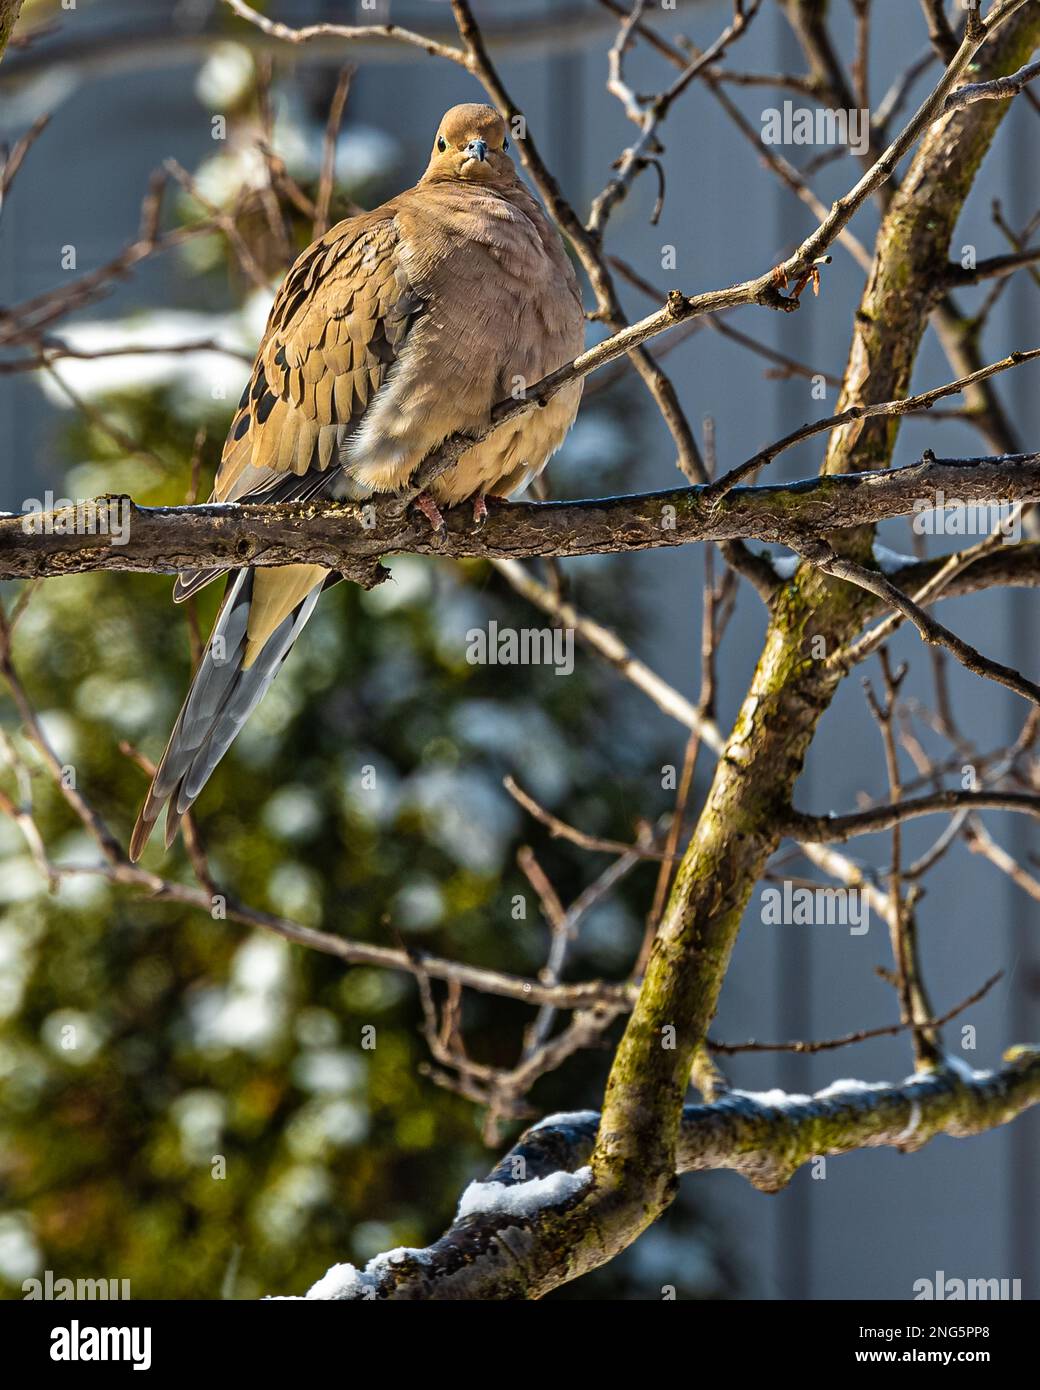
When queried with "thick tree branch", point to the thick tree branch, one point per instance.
{"points": [[9, 10], [351, 538], [515, 1238]]}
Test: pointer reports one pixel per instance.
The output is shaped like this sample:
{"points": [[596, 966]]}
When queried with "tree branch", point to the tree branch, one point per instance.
{"points": [[351, 538], [9, 10], [838, 829], [931, 630], [346, 33], [906, 405], [999, 89], [514, 1238], [993, 268]]}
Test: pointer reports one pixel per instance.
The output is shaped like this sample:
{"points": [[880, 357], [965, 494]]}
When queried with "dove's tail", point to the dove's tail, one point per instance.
{"points": [[260, 618]]}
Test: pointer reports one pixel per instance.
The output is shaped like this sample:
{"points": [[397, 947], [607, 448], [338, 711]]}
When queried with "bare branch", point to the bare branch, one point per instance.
{"points": [[932, 631], [346, 33], [913, 1002], [651, 116], [999, 89], [908, 405], [840, 829], [980, 841], [889, 1030], [994, 268], [11, 162], [942, 37], [328, 156], [559, 829]]}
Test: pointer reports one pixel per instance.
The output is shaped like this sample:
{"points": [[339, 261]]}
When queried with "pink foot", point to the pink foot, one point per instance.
{"points": [[480, 509], [432, 513]]}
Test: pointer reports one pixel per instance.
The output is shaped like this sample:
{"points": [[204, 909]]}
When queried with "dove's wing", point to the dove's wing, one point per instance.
{"points": [[335, 330]]}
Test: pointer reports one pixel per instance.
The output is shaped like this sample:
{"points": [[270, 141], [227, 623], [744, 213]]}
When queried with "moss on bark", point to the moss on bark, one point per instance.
{"points": [[755, 779]]}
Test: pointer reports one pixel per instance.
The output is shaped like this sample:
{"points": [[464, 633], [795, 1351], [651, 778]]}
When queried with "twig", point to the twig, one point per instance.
{"points": [[908, 405], [930, 628], [11, 162], [559, 829], [980, 841], [348, 33], [840, 829], [328, 158], [861, 1035], [902, 921], [999, 89]]}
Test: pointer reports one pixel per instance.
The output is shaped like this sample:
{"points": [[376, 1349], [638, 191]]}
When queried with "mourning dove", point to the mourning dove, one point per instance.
{"points": [[391, 332]]}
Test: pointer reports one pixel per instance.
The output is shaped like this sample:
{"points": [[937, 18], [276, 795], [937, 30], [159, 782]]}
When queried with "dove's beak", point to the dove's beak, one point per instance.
{"points": [[477, 149]]}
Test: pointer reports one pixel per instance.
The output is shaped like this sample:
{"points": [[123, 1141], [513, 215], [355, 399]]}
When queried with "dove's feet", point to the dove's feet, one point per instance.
{"points": [[432, 513], [480, 510]]}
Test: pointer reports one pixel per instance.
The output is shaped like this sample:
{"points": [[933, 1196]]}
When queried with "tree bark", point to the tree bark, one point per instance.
{"points": [[351, 539], [9, 11]]}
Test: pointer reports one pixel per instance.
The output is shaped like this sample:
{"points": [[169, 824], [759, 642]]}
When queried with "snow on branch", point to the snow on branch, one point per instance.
{"points": [[502, 1243]]}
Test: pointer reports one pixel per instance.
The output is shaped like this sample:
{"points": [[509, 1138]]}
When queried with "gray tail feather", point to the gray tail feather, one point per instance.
{"points": [[189, 582], [222, 697]]}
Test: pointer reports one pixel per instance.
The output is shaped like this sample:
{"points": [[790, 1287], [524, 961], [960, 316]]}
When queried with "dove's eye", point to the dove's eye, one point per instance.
{"points": [[505, 144], [442, 144]]}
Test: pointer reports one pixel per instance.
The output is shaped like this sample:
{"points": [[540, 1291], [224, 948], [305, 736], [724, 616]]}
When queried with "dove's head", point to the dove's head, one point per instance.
{"points": [[472, 145]]}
